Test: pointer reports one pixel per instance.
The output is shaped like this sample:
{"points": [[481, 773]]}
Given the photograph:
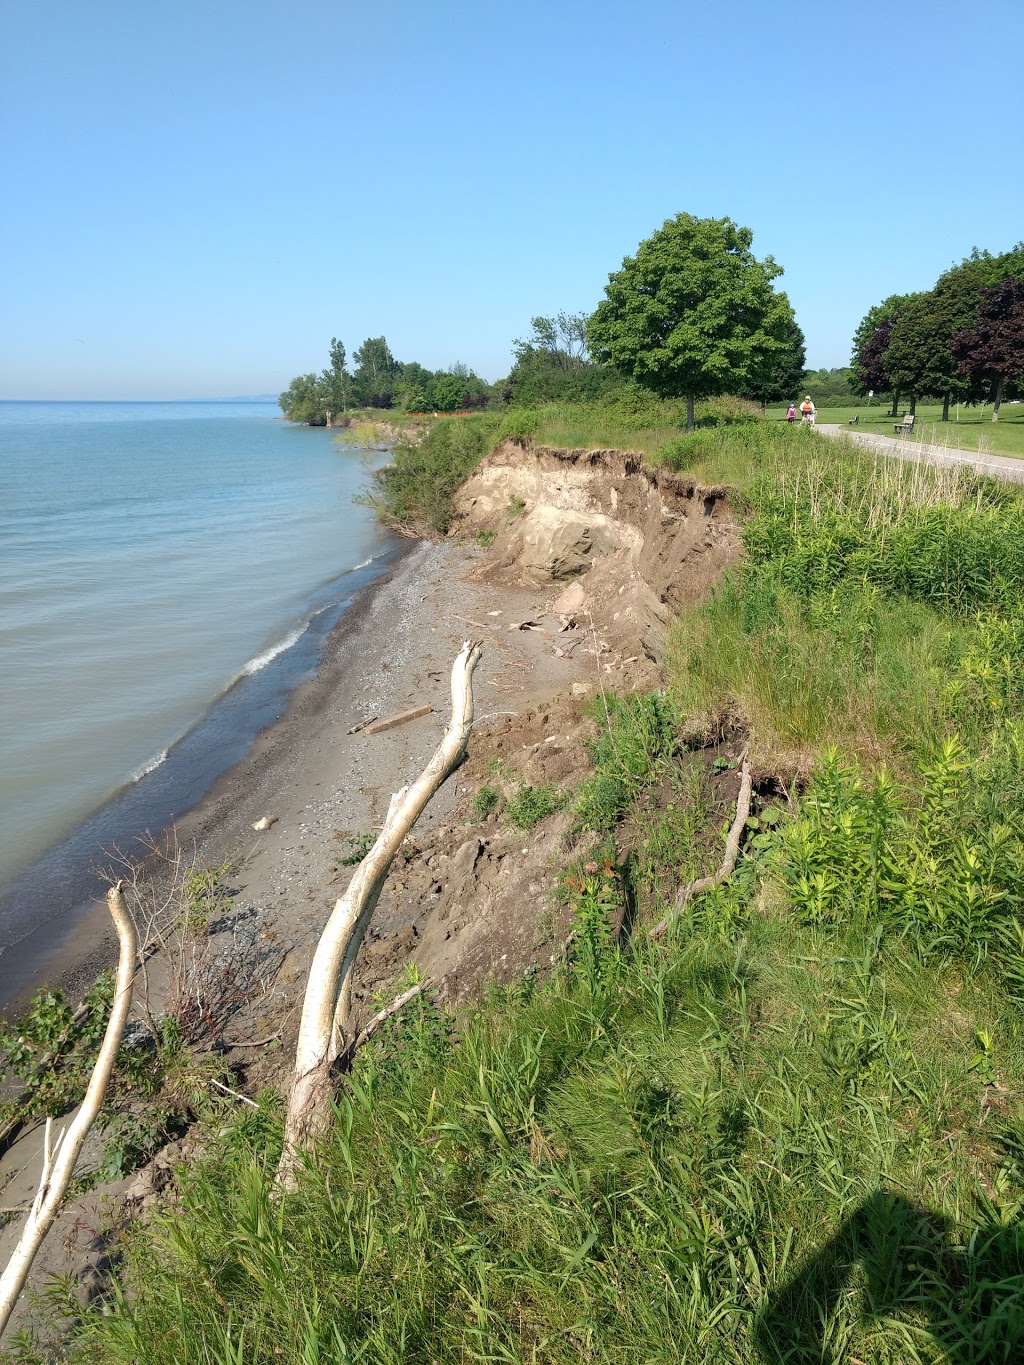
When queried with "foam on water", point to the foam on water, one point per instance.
{"points": [[261, 660]]}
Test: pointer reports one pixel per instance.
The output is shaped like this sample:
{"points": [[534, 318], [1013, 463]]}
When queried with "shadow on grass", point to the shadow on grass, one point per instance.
{"points": [[966, 1303]]}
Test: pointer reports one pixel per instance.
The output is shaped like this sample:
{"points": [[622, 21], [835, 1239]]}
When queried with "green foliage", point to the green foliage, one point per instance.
{"points": [[305, 400], [528, 806], [485, 801], [516, 506], [356, 847], [694, 314], [485, 539], [51, 1053], [417, 488], [754, 1118], [519, 427]]}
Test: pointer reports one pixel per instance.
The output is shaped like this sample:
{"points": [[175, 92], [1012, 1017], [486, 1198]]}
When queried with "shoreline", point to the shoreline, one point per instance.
{"points": [[71, 946]]}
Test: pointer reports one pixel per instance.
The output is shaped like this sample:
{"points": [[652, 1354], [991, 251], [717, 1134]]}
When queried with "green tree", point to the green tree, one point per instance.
{"points": [[375, 375], [870, 344], [445, 392], [305, 400], [782, 374], [336, 380], [913, 354], [693, 313]]}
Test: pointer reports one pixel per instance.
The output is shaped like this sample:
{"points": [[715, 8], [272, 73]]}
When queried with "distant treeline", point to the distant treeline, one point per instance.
{"points": [[552, 365], [960, 341], [380, 381]]}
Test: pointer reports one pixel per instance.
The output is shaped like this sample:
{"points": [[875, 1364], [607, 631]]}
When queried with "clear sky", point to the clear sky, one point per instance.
{"points": [[198, 195]]}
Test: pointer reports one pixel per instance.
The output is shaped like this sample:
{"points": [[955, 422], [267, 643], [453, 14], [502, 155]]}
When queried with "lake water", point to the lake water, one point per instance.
{"points": [[163, 567]]}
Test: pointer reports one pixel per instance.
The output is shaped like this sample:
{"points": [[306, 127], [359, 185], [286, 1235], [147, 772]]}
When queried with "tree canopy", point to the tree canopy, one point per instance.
{"points": [[694, 313], [912, 345], [994, 348]]}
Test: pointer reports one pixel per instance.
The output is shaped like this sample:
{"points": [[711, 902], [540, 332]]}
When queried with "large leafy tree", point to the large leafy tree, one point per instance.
{"points": [[914, 351], [693, 313], [336, 380], [870, 344], [305, 400], [993, 350]]}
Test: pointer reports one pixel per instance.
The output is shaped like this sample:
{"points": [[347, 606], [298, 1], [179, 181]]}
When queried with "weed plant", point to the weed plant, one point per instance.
{"points": [[527, 806]]}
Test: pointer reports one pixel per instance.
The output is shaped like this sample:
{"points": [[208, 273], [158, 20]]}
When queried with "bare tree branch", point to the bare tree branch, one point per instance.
{"points": [[732, 849], [327, 1006], [59, 1159]]}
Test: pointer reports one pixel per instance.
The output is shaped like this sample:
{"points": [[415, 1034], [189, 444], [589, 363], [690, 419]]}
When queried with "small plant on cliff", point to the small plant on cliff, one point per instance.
{"points": [[519, 427], [356, 847], [528, 806], [485, 801], [516, 506], [485, 539]]}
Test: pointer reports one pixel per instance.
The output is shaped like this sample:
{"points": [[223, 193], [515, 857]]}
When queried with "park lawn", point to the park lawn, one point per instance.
{"points": [[975, 430]]}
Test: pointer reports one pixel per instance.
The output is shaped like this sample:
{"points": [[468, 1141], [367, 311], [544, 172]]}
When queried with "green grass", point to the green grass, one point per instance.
{"points": [[757, 1142], [974, 431]]}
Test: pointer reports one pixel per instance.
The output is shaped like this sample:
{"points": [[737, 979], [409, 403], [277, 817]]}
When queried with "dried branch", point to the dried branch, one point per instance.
{"points": [[732, 849], [328, 999], [59, 1159]]}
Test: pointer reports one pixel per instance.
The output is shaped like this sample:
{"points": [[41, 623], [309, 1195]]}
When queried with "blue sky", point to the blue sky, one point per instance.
{"points": [[200, 194]]}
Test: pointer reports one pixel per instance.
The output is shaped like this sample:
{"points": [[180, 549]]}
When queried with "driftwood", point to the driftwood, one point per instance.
{"points": [[380, 726], [326, 1008], [59, 1158], [368, 1030], [732, 849]]}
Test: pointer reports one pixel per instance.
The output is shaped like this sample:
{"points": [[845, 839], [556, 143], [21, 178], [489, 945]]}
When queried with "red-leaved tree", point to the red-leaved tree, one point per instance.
{"points": [[994, 349]]}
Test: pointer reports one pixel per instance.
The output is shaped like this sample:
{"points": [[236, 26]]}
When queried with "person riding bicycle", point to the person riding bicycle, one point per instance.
{"points": [[807, 411]]}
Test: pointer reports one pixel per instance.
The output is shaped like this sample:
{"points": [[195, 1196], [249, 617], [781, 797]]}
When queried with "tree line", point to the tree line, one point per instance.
{"points": [[692, 315], [378, 380], [960, 341]]}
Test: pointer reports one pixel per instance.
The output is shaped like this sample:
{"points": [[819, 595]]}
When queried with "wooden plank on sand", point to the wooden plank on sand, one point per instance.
{"points": [[379, 726]]}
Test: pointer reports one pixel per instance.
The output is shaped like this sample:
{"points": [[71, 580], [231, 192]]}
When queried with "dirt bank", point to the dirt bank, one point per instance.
{"points": [[648, 541]]}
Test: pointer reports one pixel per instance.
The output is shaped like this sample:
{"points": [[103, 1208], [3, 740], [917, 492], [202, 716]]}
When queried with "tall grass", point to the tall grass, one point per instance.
{"points": [[730, 1148]]}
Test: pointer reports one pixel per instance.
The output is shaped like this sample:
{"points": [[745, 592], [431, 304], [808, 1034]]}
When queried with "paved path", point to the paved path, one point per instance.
{"points": [[995, 466]]}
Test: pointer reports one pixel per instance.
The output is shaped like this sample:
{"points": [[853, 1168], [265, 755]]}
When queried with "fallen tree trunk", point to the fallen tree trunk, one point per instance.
{"points": [[327, 1005], [732, 849], [59, 1159]]}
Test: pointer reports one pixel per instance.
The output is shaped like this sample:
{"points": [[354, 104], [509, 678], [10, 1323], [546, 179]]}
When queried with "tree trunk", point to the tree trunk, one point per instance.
{"points": [[324, 1026], [895, 404], [59, 1161], [689, 413], [945, 408], [913, 405], [996, 402]]}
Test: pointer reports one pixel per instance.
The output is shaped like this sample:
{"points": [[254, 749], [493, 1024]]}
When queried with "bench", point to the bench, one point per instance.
{"points": [[901, 428], [854, 421]]}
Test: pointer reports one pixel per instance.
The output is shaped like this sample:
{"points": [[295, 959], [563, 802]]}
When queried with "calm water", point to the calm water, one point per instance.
{"points": [[151, 555]]}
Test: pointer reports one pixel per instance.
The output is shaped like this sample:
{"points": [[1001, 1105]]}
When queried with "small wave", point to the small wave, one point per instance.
{"points": [[365, 563], [261, 660], [149, 766]]}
